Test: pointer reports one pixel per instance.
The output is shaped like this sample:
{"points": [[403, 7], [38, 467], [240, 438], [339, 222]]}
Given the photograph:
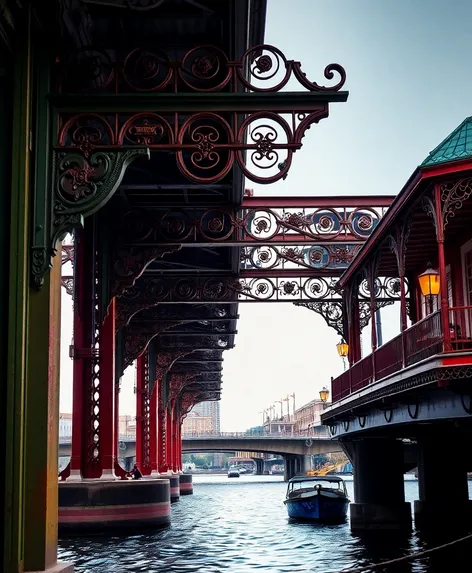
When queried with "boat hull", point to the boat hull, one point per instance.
{"points": [[317, 508]]}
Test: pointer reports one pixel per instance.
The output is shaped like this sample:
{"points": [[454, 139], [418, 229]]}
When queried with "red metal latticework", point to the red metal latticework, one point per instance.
{"points": [[137, 337], [93, 391], [292, 220], [143, 415], [162, 424]]}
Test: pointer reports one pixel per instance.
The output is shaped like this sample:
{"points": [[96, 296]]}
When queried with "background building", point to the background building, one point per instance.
{"points": [[127, 426], [203, 418], [65, 425], [307, 418]]}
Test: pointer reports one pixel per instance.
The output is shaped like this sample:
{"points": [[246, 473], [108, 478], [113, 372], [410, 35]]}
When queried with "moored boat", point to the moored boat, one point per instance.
{"points": [[233, 473], [315, 498]]}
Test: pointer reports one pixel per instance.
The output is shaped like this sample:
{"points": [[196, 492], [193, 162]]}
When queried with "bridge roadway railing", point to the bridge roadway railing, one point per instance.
{"points": [[321, 435]]}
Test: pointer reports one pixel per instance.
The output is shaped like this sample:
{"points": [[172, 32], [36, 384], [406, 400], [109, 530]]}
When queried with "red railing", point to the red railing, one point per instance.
{"points": [[460, 328], [422, 340], [389, 357]]}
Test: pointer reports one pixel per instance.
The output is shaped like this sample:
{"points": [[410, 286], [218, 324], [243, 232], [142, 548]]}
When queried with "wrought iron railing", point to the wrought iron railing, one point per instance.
{"points": [[460, 327], [422, 340]]}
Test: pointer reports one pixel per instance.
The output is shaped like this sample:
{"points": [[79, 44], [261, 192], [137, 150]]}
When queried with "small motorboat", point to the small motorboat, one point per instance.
{"points": [[233, 473], [315, 498]]}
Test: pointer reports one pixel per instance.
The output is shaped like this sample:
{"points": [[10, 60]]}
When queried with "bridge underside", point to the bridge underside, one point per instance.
{"points": [[132, 131], [279, 446]]}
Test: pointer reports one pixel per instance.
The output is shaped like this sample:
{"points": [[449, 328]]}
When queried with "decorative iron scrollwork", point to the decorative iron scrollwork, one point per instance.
{"points": [[263, 225], [332, 258], [82, 183], [384, 288], [453, 194], [150, 291], [129, 264], [202, 69], [332, 312], [136, 339], [166, 359]]}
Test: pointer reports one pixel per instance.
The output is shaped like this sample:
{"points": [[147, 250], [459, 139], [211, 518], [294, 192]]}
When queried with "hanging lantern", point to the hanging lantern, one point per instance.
{"points": [[324, 394], [343, 348], [429, 282]]}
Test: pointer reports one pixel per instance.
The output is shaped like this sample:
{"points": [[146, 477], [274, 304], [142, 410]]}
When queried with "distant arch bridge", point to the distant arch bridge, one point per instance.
{"points": [[265, 444], [235, 442]]}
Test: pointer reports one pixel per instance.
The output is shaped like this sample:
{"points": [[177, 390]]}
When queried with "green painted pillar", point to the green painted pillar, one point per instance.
{"points": [[17, 283], [33, 336]]}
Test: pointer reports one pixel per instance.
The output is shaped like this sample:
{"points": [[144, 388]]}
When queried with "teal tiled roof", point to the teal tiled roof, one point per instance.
{"points": [[457, 145]]}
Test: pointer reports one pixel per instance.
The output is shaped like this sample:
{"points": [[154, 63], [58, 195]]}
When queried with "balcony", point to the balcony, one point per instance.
{"points": [[422, 340]]}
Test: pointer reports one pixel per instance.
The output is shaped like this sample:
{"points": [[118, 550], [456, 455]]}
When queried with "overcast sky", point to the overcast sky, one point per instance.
{"points": [[410, 82]]}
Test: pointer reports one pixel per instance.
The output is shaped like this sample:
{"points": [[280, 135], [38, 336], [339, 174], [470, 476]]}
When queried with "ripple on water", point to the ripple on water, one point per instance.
{"points": [[241, 527]]}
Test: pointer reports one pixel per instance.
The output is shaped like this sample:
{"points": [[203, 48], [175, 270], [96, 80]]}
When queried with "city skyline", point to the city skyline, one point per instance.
{"points": [[400, 66]]}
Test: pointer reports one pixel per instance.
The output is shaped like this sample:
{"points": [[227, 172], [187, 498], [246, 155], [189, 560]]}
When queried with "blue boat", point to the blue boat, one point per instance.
{"points": [[314, 498]]}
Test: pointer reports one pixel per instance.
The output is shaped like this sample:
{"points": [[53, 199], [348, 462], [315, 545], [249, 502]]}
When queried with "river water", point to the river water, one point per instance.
{"points": [[240, 525]]}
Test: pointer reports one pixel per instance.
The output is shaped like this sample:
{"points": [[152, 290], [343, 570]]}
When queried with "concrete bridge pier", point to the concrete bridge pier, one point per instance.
{"points": [[379, 486], [290, 467], [443, 493], [259, 466], [266, 468], [306, 463]]}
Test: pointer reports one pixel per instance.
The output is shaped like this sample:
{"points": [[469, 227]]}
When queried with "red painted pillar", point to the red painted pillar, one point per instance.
{"points": [[108, 408], [175, 444], [162, 425], [170, 437], [82, 339], [442, 269], [140, 421], [153, 431], [146, 416], [178, 427]]}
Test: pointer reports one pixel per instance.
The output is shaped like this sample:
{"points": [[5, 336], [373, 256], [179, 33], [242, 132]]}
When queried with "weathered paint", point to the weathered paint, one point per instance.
{"points": [[14, 470], [43, 367], [42, 411]]}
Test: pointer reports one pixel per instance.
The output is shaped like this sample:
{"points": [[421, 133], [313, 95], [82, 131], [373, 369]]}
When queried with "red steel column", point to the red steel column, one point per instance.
{"points": [[107, 420], [153, 431], [81, 272], [442, 269], [140, 431], [170, 438], [178, 426], [82, 462], [146, 415], [175, 446], [162, 425]]}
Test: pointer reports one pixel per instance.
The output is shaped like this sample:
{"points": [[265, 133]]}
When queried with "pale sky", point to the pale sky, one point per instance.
{"points": [[410, 79]]}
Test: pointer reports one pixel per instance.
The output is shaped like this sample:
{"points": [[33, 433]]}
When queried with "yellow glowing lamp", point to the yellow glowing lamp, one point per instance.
{"points": [[342, 348], [429, 282], [324, 394]]}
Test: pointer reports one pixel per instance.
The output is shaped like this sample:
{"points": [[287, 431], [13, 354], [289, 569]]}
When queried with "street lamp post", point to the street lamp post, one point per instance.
{"points": [[324, 395], [343, 350], [430, 285]]}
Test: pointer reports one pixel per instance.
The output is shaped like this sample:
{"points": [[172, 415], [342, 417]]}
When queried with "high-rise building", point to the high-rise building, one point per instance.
{"points": [[209, 410]]}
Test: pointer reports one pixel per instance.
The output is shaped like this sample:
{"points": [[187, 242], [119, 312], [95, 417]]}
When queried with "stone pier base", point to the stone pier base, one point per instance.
{"points": [[59, 567], [174, 487], [186, 484], [99, 506], [370, 516]]}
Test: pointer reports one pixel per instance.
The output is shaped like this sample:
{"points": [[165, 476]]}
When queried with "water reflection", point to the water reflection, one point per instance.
{"points": [[243, 526]]}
